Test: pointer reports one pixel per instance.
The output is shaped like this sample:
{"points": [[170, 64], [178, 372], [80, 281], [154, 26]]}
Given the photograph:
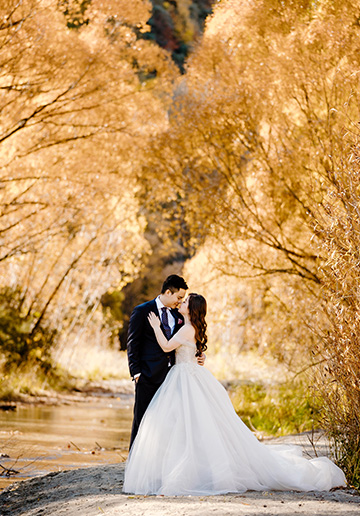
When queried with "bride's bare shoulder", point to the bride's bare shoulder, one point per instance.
{"points": [[187, 332]]}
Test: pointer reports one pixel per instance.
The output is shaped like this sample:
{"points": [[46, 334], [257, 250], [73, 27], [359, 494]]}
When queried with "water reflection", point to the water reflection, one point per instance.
{"points": [[39, 439]]}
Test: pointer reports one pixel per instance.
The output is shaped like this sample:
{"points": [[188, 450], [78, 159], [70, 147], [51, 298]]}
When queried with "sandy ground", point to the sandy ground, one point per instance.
{"points": [[98, 490]]}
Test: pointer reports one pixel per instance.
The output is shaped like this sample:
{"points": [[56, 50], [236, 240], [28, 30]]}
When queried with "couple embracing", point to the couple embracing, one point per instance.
{"points": [[186, 437]]}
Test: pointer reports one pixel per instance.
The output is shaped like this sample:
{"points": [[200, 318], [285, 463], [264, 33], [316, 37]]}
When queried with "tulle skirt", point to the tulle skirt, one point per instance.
{"points": [[191, 442]]}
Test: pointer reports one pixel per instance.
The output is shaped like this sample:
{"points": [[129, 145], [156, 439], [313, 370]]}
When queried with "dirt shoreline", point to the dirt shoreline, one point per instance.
{"points": [[86, 392], [98, 490]]}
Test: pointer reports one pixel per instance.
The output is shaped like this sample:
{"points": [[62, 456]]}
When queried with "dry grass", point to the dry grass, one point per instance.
{"points": [[339, 378]]}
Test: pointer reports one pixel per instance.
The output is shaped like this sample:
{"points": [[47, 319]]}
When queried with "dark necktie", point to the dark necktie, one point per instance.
{"points": [[165, 323]]}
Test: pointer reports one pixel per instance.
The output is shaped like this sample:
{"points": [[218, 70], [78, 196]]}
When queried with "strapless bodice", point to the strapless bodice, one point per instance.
{"points": [[185, 353]]}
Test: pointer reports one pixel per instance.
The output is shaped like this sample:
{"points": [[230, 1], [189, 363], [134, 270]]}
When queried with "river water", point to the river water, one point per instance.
{"points": [[35, 440]]}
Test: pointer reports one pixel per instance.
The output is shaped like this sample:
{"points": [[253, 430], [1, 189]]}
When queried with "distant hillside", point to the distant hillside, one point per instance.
{"points": [[175, 25]]}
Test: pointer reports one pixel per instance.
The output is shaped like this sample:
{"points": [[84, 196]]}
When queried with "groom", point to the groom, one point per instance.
{"points": [[148, 363]]}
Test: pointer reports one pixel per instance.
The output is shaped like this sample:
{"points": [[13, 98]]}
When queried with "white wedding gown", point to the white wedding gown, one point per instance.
{"points": [[191, 442]]}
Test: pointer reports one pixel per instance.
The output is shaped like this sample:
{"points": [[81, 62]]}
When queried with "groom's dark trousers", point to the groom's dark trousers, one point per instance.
{"points": [[147, 358]]}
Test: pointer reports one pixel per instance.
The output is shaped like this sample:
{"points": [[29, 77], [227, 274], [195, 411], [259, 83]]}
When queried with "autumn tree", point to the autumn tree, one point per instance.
{"points": [[76, 107], [252, 153]]}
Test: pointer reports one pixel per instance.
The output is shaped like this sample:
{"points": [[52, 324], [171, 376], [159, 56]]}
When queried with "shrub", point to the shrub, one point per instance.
{"points": [[20, 347], [278, 409]]}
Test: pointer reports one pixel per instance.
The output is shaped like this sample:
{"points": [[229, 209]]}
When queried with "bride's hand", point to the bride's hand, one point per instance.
{"points": [[154, 320]]}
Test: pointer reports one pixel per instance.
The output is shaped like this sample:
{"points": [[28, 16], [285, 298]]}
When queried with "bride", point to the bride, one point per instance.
{"points": [[191, 441]]}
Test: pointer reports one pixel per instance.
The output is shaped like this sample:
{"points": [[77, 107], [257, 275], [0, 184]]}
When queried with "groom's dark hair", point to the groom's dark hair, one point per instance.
{"points": [[174, 283]]}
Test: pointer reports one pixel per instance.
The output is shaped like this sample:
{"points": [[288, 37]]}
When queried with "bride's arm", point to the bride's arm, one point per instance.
{"points": [[166, 345]]}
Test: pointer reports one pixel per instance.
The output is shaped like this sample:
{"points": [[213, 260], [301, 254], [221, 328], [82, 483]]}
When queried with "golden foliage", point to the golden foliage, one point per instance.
{"points": [[248, 156], [254, 150], [249, 160], [76, 107], [339, 378]]}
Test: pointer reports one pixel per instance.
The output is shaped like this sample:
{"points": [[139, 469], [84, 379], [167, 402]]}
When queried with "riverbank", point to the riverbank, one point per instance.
{"points": [[98, 490], [54, 431], [86, 391]]}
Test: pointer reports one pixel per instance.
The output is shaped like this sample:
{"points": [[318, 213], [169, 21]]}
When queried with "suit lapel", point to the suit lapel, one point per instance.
{"points": [[178, 319], [153, 307]]}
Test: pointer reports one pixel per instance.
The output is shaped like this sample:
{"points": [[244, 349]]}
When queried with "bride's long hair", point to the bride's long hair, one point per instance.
{"points": [[197, 312]]}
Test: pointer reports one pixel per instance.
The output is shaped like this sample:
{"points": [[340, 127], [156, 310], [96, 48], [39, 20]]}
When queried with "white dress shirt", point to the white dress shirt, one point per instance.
{"points": [[171, 318]]}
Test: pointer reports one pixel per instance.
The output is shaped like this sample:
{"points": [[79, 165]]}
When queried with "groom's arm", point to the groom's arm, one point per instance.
{"points": [[135, 330]]}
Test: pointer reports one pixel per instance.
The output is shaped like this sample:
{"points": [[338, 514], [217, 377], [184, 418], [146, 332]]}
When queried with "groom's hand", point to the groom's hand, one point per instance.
{"points": [[201, 359]]}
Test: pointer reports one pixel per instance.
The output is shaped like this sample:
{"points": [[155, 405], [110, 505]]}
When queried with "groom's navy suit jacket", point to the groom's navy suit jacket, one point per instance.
{"points": [[144, 353]]}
